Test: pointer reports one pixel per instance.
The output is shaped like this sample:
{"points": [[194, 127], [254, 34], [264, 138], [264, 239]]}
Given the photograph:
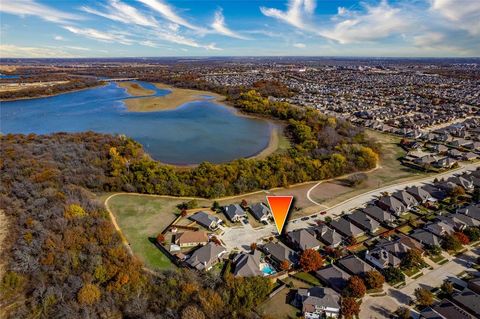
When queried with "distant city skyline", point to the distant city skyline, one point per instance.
{"points": [[151, 28]]}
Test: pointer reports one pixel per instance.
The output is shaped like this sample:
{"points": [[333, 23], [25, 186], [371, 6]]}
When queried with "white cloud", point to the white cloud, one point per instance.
{"points": [[76, 48], [464, 14], [124, 13], [299, 45], [299, 11], [100, 35], [169, 13], [377, 22], [32, 8], [428, 39], [59, 38], [220, 27], [14, 51]]}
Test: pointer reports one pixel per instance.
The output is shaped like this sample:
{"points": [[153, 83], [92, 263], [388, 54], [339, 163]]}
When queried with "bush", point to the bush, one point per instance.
{"points": [[89, 294]]}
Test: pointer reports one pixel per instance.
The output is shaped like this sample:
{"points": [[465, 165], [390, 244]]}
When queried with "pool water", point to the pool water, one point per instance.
{"points": [[268, 270]]}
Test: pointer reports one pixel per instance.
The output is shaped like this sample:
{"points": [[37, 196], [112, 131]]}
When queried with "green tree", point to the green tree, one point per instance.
{"points": [[424, 297], [473, 233], [393, 275], [447, 287], [413, 259], [451, 242]]}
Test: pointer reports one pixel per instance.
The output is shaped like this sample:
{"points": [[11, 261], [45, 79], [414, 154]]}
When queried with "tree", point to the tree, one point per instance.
{"points": [[457, 191], [355, 288], [473, 233], [447, 287], [183, 213], [311, 260], [285, 265], [244, 203], [403, 313], [74, 211], [216, 206], [424, 297], [435, 250], [192, 312], [413, 259], [161, 239], [374, 279], [349, 308], [89, 294], [393, 275], [253, 246], [451, 242], [462, 238]]}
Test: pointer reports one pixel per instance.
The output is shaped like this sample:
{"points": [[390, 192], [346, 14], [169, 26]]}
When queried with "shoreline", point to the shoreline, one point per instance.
{"points": [[51, 95], [135, 89], [176, 98]]}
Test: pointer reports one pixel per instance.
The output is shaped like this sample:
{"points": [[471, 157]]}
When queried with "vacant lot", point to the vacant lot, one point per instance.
{"points": [[142, 218]]}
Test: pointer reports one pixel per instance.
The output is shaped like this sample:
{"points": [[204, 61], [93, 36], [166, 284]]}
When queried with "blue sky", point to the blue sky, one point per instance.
{"points": [[145, 28]]}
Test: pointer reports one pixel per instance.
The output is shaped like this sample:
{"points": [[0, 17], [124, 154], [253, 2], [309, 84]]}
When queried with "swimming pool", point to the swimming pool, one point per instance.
{"points": [[267, 269]]}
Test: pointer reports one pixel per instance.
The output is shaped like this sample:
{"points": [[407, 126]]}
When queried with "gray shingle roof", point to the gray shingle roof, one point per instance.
{"points": [[205, 256], [280, 252], [379, 214], [346, 228], [333, 276], [234, 211], [364, 221], [328, 235], [259, 210], [204, 219], [303, 239], [355, 265], [425, 237], [247, 265]]}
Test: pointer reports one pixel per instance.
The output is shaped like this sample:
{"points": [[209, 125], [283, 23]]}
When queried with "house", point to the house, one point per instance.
{"points": [[439, 228], [444, 162], [191, 238], [329, 236], [463, 221], [260, 211], [445, 310], [455, 153], [471, 211], [302, 239], [439, 148], [247, 264], [406, 198], [333, 276], [234, 212], [420, 194], [382, 258], [392, 204], [468, 300], [206, 220], [364, 221], [346, 228], [354, 265], [205, 257], [278, 252], [469, 156], [318, 302], [436, 192], [426, 238], [379, 214], [396, 247], [462, 182], [474, 285], [410, 242]]}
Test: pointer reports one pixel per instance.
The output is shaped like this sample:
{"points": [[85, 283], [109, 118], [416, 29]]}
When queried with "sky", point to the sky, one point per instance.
{"points": [[154, 28]]}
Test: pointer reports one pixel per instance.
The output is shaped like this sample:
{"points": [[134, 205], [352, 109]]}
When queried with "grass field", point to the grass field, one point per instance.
{"points": [[390, 172], [142, 217], [171, 101], [135, 89]]}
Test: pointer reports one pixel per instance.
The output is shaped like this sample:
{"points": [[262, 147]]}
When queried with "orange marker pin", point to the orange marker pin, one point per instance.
{"points": [[279, 205]]}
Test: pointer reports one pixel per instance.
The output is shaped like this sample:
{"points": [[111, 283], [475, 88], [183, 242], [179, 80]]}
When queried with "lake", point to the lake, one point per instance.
{"points": [[194, 132]]}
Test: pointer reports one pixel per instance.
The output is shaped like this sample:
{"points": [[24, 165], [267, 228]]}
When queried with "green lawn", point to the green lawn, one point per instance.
{"points": [[142, 218], [307, 278]]}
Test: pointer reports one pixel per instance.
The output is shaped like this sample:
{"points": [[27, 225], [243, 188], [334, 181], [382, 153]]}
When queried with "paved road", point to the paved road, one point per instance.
{"points": [[362, 199], [381, 307]]}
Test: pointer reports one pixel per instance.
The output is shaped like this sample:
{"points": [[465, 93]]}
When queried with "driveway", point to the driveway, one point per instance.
{"points": [[241, 236]]}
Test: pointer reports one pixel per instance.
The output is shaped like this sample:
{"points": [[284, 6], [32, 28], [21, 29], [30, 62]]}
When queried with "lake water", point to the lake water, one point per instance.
{"points": [[195, 132]]}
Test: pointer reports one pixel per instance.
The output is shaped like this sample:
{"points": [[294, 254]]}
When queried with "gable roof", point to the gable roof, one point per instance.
{"points": [[318, 297], [355, 265], [468, 300], [383, 256], [247, 264], [259, 210], [303, 239], [346, 228], [471, 211], [364, 221], [189, 237], [280, 252], [379, 214], [205, 256], [439, 228], [392, 204], [333, 276], [204, 219], [406, 198], [328, 235], [425, 237], [233, 211], [420, 193]]}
